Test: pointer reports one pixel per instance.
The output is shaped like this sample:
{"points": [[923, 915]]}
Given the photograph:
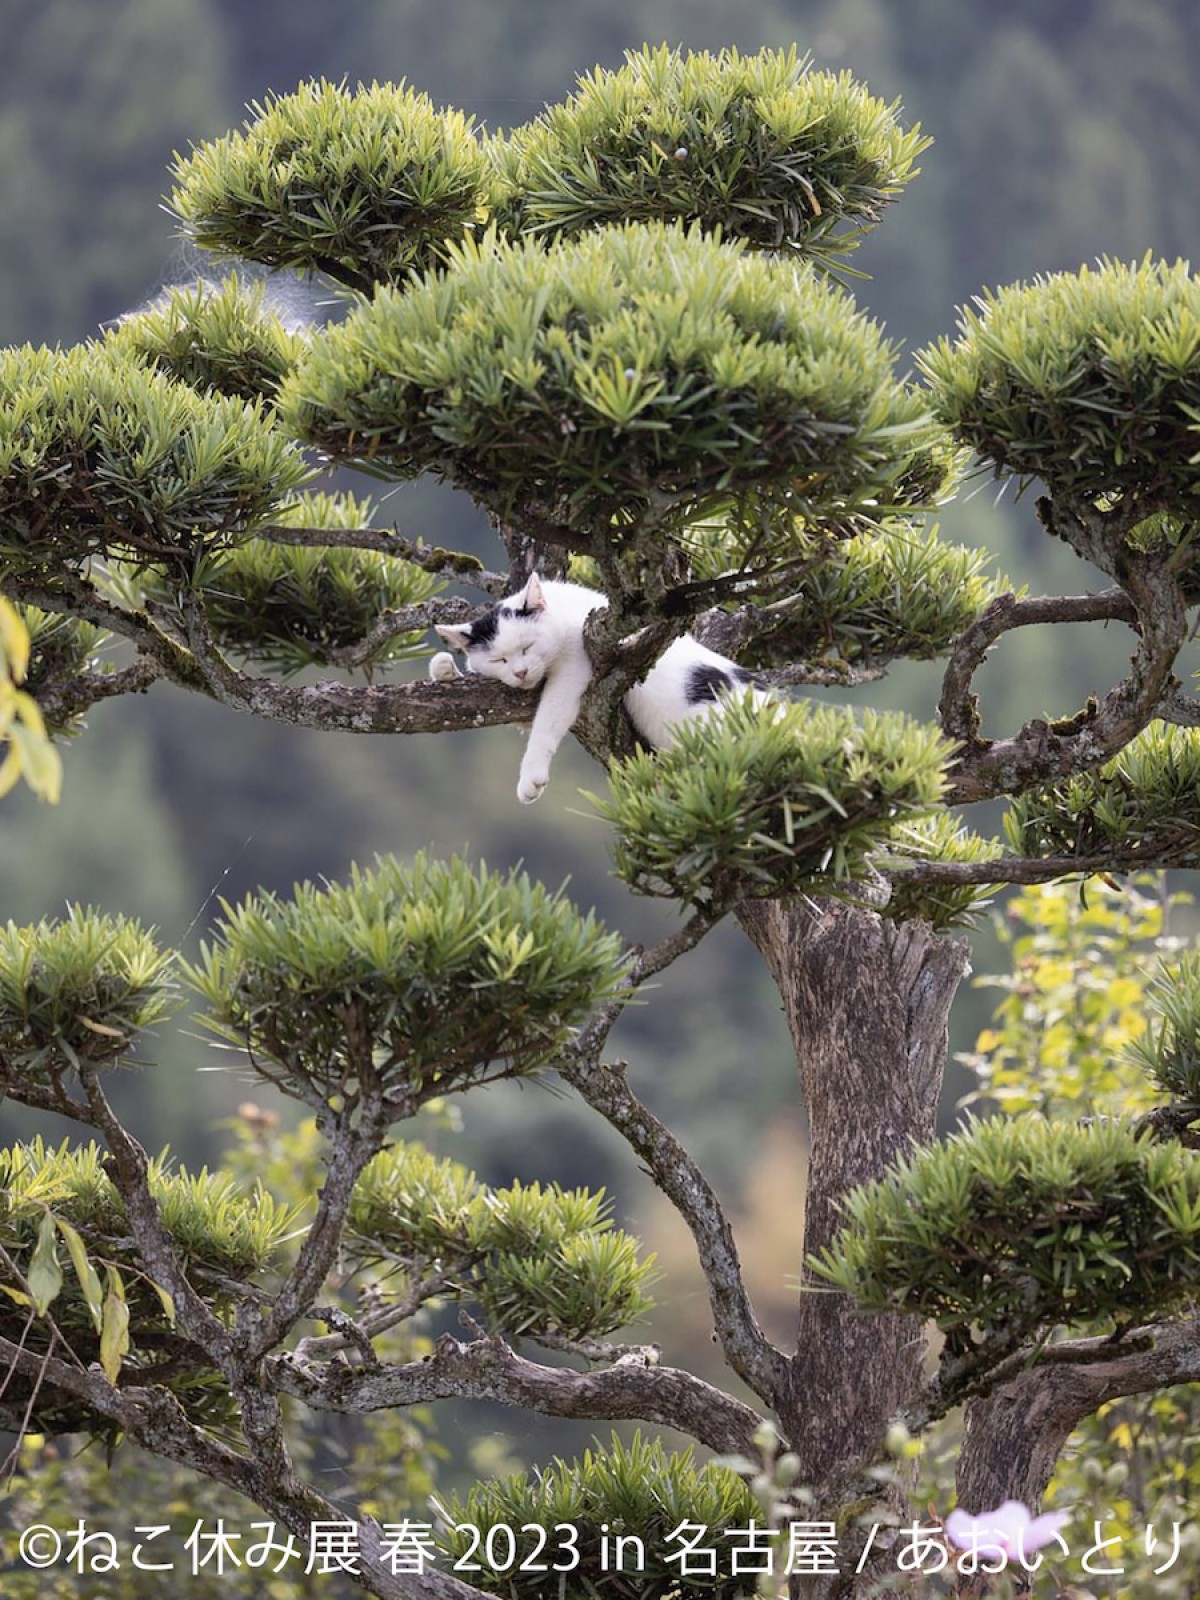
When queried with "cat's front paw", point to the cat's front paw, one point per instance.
{"points": [[442, 668], [533, 780]]}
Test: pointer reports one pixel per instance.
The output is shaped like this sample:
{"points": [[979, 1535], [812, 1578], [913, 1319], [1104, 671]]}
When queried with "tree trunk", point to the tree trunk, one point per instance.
{"points": [[867, 1003]]}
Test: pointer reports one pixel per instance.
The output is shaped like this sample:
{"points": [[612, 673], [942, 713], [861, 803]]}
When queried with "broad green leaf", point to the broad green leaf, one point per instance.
{"points": [[114, 1331], [44, 1275], [89, 1279]]}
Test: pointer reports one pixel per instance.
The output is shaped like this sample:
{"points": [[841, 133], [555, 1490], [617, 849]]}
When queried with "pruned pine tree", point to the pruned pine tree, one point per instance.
{"points": [[624, 330]]}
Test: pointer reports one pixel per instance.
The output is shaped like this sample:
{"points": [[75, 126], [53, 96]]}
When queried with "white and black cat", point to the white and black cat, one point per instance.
{"points": [[535, 638]]}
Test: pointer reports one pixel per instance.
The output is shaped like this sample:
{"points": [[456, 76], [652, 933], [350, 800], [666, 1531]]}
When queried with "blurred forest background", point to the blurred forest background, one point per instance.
{"points": [[1063, 132]]}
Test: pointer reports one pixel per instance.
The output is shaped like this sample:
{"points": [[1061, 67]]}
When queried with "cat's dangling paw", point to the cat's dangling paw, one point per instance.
{"points": [[442, 668], [533, 780]]}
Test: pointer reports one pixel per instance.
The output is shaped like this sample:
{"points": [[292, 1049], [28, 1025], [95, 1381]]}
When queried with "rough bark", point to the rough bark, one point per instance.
{"points": [[487, 1367], [867, 1004], [1013, 1436]]}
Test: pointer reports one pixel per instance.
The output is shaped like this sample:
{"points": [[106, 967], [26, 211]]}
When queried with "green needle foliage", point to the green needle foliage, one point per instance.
{"points": [[214, 337], [644, 366], [938, 837], [1012, 1225], [1089, 381], [900, 592], [101, 455], [286, 607], [1146, 801], [535, 1260], [79, 988], [768, 800], [1169, 1049], [757, 147], [60, 648], [367, 186], [415, 977], [636, 1492], [67, 1255]]}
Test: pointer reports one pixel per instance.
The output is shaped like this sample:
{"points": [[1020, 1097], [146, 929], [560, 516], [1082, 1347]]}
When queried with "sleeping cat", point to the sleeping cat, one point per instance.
{"points": [[535, 638]]}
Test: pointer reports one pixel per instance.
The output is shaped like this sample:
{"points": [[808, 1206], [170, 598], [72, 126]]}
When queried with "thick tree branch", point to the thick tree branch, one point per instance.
{"points": [[157, 1252], [751, 1355], [152, 1417], [1015, 1433], [1042, 752], [417, 707], [487, 1368]]}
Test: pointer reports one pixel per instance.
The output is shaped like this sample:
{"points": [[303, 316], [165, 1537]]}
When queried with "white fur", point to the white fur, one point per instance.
{"points": [[545, 648]]}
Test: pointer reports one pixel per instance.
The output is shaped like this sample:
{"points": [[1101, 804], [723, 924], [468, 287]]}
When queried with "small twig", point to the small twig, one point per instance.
{"points": [[364, 1329], [404, 619], [630, 1355], [62, 701]]}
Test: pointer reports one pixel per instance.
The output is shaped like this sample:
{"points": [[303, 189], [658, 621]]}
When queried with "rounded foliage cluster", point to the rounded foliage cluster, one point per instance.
{"points": [[768, 800], [638, 1492], [1145, 803], [407, 980], [900, 591], [221, 337], [1014, 1225], [1089, 381], [643, 366], [76, 988], [366, 185], [100, 454], [535, 1260], [759, 147]]}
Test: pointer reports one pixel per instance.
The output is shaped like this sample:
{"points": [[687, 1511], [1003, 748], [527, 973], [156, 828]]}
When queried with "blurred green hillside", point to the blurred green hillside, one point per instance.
{"points": [[1063, 132]]}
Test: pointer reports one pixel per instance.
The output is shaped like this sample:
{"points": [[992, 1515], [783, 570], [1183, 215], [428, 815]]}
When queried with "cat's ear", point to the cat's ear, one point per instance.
{"points": [[457, 635], [532, 596]]}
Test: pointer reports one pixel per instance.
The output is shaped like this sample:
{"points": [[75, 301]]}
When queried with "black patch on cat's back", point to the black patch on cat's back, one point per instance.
{"points": [[706, 682]]}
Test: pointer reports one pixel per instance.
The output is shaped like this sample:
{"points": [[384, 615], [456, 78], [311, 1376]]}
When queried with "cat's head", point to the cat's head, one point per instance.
{"points": [[515, 641]]}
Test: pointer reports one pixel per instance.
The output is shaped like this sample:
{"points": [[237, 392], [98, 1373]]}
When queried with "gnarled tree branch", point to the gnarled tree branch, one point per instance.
{"points": [[487, 1368], [756, 1361], [1042, 752]]}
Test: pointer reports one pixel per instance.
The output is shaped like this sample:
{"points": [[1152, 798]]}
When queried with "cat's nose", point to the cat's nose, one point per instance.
{"points": [[521, 673]]}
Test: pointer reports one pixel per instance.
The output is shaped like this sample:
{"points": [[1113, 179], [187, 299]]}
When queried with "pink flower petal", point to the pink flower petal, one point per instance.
{"points": [[1007, 1531]]}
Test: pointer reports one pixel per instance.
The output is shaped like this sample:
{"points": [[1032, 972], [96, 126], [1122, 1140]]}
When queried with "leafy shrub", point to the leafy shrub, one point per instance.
{"points": [[416, 978], [1014, 1225], [767, 800], [640, 367]]}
